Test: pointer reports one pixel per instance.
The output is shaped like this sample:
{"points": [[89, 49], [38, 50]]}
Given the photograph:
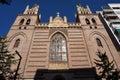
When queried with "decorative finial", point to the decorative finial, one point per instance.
{"points": [[33, 10], [79, 4], [58, 14]]}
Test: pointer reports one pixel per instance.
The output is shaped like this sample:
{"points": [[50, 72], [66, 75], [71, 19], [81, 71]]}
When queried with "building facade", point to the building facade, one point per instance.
{"points": [[110, 16], [59, 50]]}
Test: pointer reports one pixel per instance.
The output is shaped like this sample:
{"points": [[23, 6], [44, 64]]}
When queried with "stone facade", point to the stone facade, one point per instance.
{"points": [[81, 46]]}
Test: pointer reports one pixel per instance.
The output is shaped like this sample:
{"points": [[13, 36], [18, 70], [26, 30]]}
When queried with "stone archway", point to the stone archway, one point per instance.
{"points": [[58, 77]]}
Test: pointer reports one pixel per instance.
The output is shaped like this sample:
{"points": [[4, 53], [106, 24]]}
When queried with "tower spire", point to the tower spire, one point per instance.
{"points": [[58, 14], [82, 10], [33, 10]]}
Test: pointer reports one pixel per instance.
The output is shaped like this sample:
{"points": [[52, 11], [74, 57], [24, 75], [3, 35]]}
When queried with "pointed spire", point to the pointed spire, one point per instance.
{"points": [[82, 10], [33, 10], [65, 19], [88, 9], [51, 19], [27, 7]]}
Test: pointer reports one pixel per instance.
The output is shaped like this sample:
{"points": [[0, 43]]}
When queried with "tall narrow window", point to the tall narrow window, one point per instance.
{"points": [[99, 43], [28, 22], [21, 22], [93, 20], [87, 21], [58, 51], [17, 42]]}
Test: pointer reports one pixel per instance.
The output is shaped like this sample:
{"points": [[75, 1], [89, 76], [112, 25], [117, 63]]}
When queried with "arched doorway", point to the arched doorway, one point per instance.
{"points": [[58, 77]]}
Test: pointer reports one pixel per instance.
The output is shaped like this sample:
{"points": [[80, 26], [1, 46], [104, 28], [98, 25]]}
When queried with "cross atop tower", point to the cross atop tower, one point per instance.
{"points": [[58, 14]]}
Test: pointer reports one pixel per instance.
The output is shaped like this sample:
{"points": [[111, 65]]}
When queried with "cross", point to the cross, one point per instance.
{"points": [[58, 13]]}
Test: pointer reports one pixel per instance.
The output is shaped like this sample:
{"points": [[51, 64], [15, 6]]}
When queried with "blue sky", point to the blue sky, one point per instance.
{"points": [[8, 13]]}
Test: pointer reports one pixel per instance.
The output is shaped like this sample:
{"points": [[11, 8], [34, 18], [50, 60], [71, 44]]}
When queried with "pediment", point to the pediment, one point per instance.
{"points": [[58, 22]]}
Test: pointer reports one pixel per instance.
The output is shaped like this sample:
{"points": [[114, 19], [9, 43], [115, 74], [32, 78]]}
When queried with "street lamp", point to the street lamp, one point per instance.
{"points": [[18, 64]]}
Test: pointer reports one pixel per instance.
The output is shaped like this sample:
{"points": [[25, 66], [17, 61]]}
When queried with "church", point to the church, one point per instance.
{"points": [[58, 49]]}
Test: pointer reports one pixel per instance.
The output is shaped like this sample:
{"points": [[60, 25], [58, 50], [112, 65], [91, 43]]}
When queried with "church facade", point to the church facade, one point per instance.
{"points": [[59, 50]]}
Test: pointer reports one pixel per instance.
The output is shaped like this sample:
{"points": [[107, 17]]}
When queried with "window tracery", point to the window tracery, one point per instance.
{"points": [[58, 48]]}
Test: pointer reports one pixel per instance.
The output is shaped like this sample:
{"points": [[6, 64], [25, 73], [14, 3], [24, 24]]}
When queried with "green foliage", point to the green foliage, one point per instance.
{"points": [[6, 59], [106, 68]]}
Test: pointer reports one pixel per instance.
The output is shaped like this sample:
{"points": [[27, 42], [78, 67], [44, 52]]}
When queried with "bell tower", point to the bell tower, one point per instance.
{"points": [[33, 10], [93, 30], [30, 17], [82, 10], [21, 33], [86, 17]]}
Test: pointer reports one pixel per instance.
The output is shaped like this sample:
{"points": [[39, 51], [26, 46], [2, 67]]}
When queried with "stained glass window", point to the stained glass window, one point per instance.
{"points": [[58, 50]]}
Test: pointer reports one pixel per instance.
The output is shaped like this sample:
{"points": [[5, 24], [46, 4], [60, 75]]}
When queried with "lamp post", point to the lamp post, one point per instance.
{"points": [[18, 64]]}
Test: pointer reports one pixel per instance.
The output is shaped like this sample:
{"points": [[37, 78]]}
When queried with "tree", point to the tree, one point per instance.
{"points": [[6, 60], [5, 2], [106, 68]]}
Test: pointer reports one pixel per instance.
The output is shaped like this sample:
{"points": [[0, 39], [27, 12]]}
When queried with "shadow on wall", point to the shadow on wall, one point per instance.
{"points": [[71, 74]]}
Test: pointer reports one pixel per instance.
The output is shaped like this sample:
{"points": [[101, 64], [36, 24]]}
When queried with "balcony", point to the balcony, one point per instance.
{"points": [[110, 15], [115, 21], [107, 10], [115, 25], [117, 32], [105, 7]]}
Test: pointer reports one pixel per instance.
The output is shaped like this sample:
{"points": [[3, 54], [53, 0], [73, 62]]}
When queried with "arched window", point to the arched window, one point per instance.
{"points": [[58, 48], [17, 42], [87, 21], [93, 20], [28, 22], [99, 43], [21, 22]]}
